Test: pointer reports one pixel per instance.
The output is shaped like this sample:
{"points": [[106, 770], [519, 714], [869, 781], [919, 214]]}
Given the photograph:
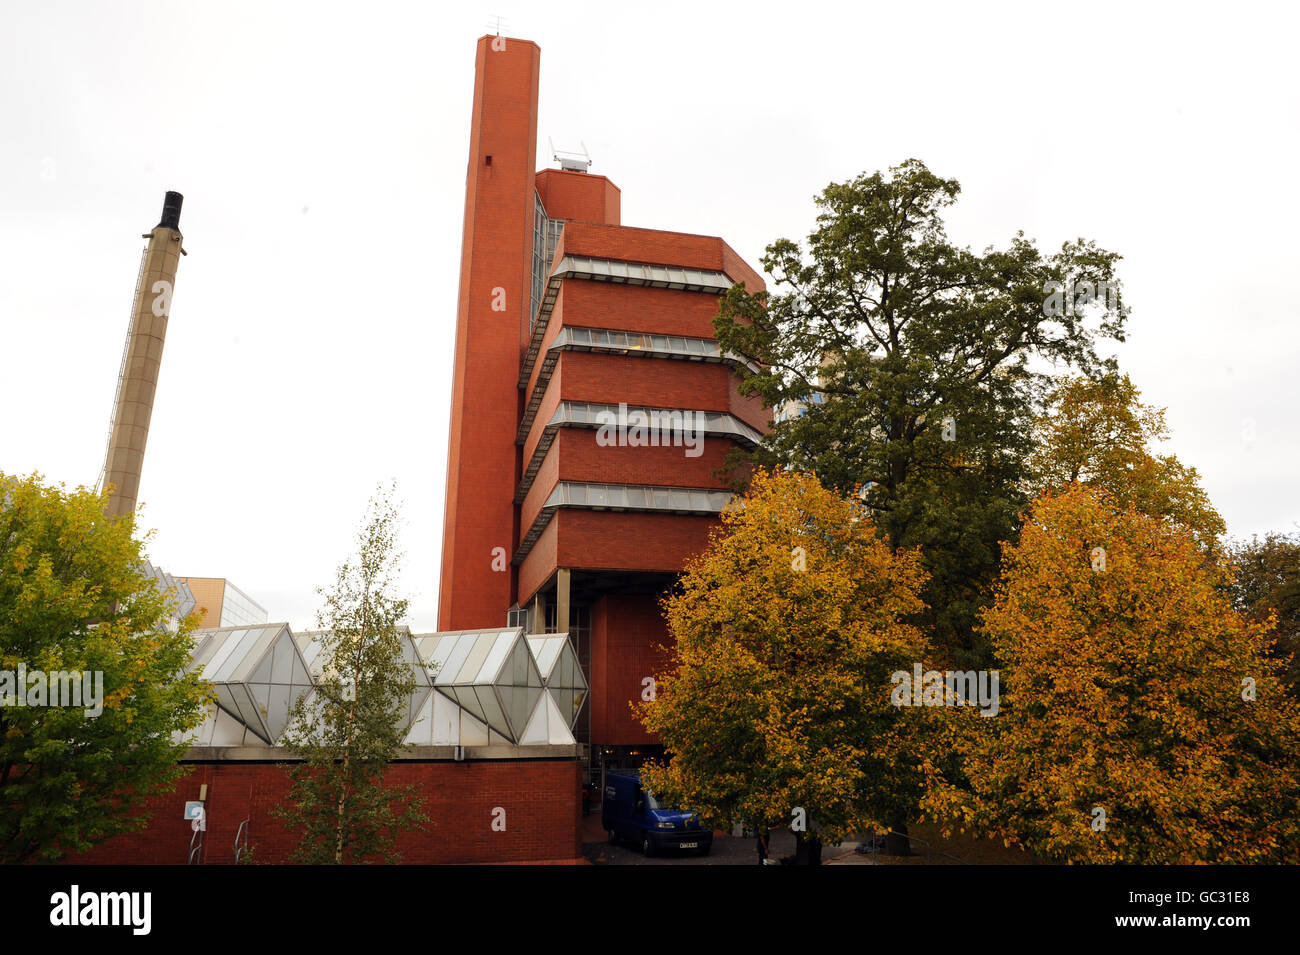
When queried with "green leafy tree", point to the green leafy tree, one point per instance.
{"points": [[352, 728], [1267, 582], [921, 365], [74, 599], [777, 697]]}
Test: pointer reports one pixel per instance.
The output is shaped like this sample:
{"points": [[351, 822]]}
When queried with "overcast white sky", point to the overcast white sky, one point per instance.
{"points": [[322, 148]]}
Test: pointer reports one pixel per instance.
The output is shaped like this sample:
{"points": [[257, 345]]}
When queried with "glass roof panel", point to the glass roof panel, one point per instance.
{"points": [[244, 708], [300, 676], [413, 659], [436, 650], [222, 644], [308, 646], [416, 703], [534, 675], [282, 660], [277, 717], [469, 668], [231, 655], [546, 650], [467, 698], [515, 672], [261, 693], [201, 638], [461, 645], [492, 662], [524, 704], [490, 708], [263, 672], [239, 665], [256, 651]]}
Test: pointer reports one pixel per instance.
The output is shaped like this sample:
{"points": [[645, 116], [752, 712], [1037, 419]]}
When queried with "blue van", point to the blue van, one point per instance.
{"points": [[629, 813]]}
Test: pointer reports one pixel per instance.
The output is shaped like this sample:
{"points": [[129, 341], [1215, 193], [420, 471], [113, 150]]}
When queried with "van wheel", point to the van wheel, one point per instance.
{"points": [[704, 850], [647, 846]]}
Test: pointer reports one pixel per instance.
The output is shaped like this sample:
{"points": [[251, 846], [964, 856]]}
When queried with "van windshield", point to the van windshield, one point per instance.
{"points": [[653, 803]]}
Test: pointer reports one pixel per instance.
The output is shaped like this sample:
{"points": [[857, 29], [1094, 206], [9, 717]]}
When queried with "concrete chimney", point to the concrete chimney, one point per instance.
{"points": [[138, 377]]}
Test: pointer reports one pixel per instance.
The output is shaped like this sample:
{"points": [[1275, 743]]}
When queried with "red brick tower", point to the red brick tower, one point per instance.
{"points": [[591, 440], [479, 526]]}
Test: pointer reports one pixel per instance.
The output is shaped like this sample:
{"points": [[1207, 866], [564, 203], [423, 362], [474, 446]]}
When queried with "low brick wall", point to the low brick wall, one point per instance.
{"points": [[541, 798]]}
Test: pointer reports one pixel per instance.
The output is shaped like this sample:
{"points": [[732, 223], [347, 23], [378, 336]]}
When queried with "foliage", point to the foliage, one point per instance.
{"points": [[1123, 690], [920, 364], [352, 728], [1096, 431], [74, 597], [777, 694], [1267, 581]]}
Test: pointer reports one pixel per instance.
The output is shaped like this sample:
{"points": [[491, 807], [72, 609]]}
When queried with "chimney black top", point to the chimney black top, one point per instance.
{"points": [[171, 215]]}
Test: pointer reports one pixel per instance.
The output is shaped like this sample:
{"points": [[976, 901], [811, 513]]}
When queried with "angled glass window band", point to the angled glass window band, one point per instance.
{"points": [[667, 420], [637, 497], [639, 273], [671, 346]]}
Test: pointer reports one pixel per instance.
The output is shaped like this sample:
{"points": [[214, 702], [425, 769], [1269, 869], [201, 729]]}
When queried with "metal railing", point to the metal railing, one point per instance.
{"points": [[929, 849], [241, 840]]}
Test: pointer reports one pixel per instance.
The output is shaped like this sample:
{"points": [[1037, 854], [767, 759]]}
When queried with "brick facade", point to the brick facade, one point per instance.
{"points": [[627, 633], [608, 561], [541, 799], [497, 254]]}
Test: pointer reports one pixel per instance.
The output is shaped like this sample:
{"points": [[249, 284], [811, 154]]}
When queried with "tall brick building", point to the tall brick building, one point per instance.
{"points": [[592, 413], [591, 406]]}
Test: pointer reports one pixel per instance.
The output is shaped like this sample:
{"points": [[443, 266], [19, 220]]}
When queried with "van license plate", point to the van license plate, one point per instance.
{"points": [[689, 845]]}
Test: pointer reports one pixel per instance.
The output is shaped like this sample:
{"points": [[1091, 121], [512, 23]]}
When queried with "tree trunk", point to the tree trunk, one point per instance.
{"points": [[807, 849], [896, 840]]}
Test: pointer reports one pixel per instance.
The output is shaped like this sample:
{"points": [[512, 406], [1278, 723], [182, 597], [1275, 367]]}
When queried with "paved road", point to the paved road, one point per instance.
{"points": [[727, 850]]}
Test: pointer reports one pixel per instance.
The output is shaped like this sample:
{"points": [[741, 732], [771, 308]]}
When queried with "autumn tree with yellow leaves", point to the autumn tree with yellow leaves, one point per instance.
{"points": [[1142, 719], [1097, 431], [776, 700]]}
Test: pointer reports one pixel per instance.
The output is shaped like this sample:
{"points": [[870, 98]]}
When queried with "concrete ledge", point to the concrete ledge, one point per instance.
{"points": [[278, 754]]}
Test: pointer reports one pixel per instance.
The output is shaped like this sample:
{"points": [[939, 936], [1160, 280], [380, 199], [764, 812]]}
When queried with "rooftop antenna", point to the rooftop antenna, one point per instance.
{"points": [[572, 161], [499, 22]]}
